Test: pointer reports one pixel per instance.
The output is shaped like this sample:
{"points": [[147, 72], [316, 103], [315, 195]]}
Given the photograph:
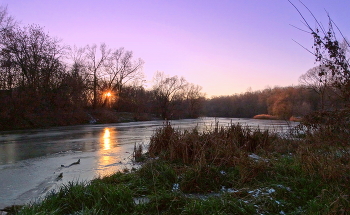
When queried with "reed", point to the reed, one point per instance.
{"points": [[138, 155], [221, 146]]}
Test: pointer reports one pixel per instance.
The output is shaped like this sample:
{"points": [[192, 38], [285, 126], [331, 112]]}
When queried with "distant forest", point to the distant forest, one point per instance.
{"points": [[46, 83]]}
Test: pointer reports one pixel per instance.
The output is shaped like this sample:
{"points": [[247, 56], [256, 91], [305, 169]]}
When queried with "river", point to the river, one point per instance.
{"points": [[31, 161]]}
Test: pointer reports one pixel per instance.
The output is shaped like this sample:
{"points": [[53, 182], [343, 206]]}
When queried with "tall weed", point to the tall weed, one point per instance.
{"points": [[221, 146]]}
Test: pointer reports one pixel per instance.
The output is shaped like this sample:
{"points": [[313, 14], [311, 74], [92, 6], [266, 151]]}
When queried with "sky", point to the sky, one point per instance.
{"points": [[225, 46]]}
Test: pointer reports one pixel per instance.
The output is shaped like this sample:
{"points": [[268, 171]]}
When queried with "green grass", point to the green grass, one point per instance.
{"points": [[83, 198], [232, 170]]}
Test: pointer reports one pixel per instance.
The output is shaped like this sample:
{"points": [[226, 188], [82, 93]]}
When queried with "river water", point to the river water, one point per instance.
{"points": [[31, 161]]}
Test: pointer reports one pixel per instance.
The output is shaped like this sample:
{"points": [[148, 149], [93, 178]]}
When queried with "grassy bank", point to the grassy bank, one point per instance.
{"points": [[227, 170]]}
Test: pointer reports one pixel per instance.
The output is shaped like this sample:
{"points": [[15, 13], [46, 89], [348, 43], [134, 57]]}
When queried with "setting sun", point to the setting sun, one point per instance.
{"points": [[108, 94]]}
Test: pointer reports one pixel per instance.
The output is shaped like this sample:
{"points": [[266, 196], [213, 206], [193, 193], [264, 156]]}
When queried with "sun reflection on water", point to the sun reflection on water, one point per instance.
{"points": [[106, 139], [108, 162]]}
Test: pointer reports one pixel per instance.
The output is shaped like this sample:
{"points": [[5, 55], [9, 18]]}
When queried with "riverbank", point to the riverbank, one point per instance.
{"points": [[225, 170], [77, 117], [86, 116]]}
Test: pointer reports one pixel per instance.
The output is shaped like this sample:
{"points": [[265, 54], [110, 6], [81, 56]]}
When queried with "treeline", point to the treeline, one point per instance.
{"points": [[44, 82], [169, 98], [315, 93], [282, 102]]}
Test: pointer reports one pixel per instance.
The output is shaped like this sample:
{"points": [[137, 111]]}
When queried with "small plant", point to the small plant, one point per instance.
{"points": [[138, 155]]}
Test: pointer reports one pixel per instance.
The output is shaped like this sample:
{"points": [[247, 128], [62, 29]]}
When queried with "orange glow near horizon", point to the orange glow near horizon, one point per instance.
{"points": [[108, 94]]}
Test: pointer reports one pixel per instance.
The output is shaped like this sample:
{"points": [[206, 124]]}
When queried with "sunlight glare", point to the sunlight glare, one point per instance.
{"points": [[107, 139]]}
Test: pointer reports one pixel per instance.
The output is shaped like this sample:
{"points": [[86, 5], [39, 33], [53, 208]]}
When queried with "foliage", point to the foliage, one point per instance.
{"points": [[332, 127], [330, 54], [282, 102]]}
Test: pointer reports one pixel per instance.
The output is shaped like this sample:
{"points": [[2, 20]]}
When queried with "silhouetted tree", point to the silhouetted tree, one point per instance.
{"points": [[80, 76], [36, 56], [167, 90], [320, 84], [95, 64], [135, 99], [6, 21], [194, 100], [121, 69]]}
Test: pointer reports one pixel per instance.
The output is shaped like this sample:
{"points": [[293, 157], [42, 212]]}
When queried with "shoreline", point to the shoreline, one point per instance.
{"points": [[267, 174], [88, 117]]}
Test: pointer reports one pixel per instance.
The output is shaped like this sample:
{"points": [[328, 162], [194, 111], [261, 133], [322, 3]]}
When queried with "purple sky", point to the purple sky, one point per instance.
{"points": [[225, 46]]}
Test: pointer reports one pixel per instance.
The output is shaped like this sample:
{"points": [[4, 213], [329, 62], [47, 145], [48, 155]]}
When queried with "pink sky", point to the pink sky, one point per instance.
{"points": [[225, 46]]}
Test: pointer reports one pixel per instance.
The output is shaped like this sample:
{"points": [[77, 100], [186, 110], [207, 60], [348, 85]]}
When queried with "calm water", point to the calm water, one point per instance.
{"points": [[30, 160]]}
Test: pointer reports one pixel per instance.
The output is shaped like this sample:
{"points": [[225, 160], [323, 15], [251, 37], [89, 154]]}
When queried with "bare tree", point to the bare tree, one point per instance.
{"points": [[312, 80], [32, 70], [194, 98], [77, 56], [76, 80], [95, 64], [8, 74], [122, 69], [167, 90], [35, 54], [6, 21], [330, 53], [107, 70]]}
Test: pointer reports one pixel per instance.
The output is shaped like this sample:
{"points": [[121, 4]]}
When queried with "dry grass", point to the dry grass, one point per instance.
{"points": [[203, 153], [325, 150], [221, 146], [321, 154], [138, 155], [331, 165]]}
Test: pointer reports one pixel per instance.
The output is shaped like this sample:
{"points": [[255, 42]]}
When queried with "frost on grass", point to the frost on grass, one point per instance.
{"points": [[228, 190], [283, 187], [257, 158], [141, 200], [176, 187], [258, 197], [261, 192]]}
